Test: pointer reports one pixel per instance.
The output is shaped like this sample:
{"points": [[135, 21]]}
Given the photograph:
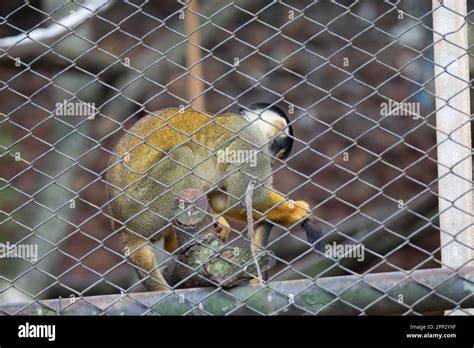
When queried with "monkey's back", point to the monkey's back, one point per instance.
{"points": [[156, 135], [165, 152]]}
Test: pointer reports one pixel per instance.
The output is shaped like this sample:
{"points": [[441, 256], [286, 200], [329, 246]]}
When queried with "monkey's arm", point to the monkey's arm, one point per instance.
{"points": [[275, 208]]}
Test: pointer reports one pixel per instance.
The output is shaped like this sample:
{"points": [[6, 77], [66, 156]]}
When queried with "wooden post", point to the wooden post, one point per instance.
{"points": [[195, 85]]}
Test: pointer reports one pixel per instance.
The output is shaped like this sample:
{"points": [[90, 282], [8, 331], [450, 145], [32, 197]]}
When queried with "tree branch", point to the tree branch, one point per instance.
{"points": [[32, 42]]}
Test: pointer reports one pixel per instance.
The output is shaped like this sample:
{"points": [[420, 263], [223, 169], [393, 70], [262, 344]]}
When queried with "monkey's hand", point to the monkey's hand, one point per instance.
{"points": [[298, 210], [286, 212]]}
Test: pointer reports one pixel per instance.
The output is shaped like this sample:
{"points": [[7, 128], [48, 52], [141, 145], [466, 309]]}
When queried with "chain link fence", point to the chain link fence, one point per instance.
{"points": [[378, 98]]}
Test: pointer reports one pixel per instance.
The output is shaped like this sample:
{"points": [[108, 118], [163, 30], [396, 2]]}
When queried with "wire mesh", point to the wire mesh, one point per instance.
{"points": [[356, 80]]}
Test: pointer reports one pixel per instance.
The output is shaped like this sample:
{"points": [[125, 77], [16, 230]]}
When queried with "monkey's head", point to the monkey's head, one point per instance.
{"points": [[274, 124]]}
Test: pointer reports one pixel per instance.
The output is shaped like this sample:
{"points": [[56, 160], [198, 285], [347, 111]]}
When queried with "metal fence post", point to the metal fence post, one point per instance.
{"points": [[453, 132]]}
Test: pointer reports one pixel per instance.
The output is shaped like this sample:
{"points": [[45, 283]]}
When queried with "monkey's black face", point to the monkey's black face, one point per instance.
{"points": [[281, 146], [274, 124]]}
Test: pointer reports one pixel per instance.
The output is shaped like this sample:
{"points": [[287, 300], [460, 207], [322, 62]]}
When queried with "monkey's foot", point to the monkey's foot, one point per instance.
{"points": [[154, 282], [254, 281]]}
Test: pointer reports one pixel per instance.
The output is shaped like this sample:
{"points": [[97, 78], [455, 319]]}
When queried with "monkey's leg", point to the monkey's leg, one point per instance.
{"points": [[171, 242], [141, 254], [262, 233]]}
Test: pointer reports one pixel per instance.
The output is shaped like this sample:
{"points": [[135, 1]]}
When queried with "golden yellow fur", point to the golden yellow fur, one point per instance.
{"points": [[170, 150]]}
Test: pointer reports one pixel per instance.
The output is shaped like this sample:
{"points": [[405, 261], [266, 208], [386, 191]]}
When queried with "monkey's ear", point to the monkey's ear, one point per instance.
{"points": [[313, 234]]}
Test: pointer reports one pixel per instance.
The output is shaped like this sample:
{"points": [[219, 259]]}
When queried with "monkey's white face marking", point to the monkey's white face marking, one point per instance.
{"points": [[268, 121]]}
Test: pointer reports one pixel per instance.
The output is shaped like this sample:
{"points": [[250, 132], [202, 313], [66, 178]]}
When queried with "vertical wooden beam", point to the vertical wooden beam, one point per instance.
{"points": [[195, 84]]}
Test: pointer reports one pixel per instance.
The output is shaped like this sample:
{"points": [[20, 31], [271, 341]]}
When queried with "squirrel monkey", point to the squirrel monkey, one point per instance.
{"points": [[174, 149]]}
